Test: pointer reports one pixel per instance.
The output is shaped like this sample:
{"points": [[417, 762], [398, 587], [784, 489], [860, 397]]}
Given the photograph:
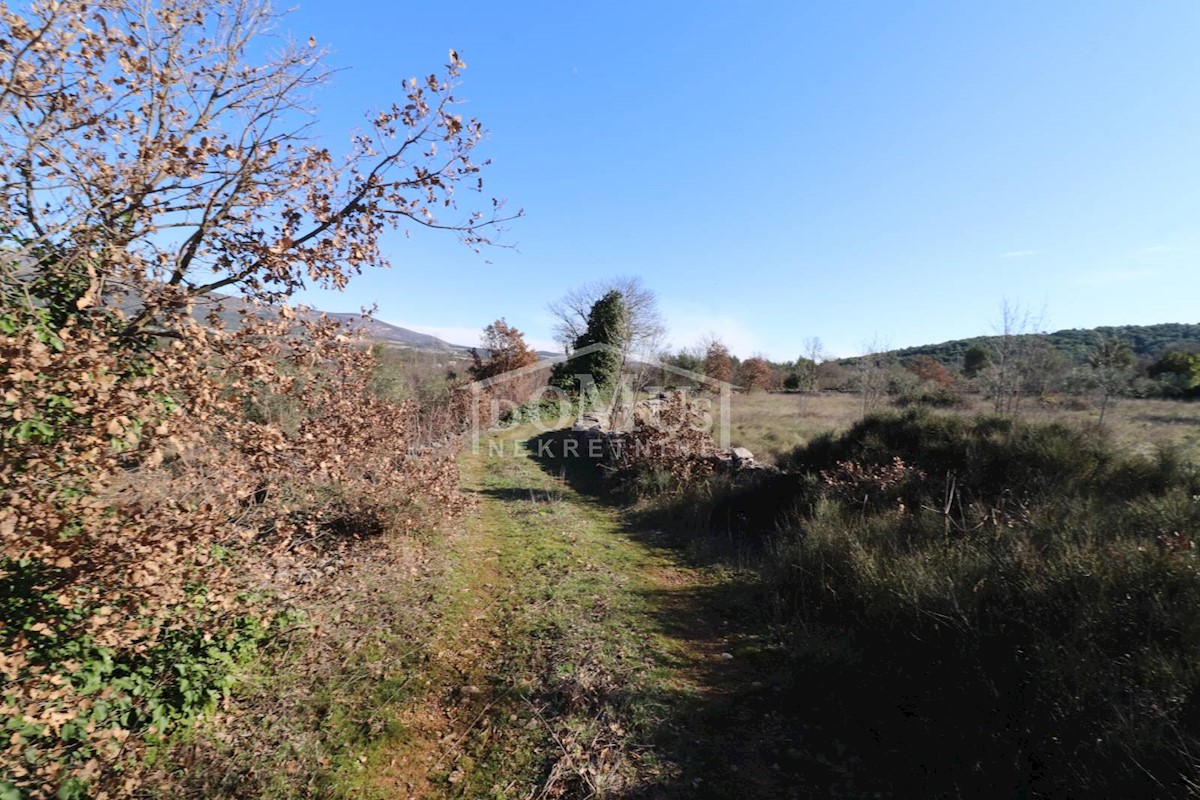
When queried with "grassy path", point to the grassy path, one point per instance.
{"points": [[574, 657]]}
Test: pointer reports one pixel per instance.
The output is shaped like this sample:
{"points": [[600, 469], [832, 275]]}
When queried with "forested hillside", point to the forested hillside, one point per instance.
{"points": [[1146, 341]]}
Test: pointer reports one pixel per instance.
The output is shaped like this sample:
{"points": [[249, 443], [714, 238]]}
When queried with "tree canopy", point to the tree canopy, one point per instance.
{"points": [[606, 325], [504, 350], [642, 329]]}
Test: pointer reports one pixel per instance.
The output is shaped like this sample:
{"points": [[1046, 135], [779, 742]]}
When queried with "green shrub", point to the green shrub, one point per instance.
{"points": [[552, 409], [1034, 606], [986, 458], [931, 395], [138, 697]]}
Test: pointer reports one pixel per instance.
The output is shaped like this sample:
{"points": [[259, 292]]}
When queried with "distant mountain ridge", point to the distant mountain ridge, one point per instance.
{"points": [[1146, 341], [379, 331], [375, 330], [385, 332]]}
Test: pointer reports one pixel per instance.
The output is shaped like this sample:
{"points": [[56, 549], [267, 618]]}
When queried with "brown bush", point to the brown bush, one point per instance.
{"points": [[672, 440], [929, 370], [126, 495], [155, 467], [756, 373]]}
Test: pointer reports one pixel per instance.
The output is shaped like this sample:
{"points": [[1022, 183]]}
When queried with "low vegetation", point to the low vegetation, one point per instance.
{"points": [[233, 553], [1008, 603], [773, 424], [169, 474], [1146, 341]]}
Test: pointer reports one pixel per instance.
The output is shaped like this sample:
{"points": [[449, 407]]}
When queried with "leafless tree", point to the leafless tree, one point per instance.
{"points": [[813, 355], [808, 368], [1043, 368], [871, 374], [645, 332], [1111, 367], [1015, 357], [153, 152]]}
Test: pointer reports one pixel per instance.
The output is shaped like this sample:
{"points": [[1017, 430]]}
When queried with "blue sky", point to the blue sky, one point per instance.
{"points": [[776, 171]]}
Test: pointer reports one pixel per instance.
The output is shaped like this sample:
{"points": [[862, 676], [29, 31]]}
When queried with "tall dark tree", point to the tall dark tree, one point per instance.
{"points": [[643, 330], [605, 326], [976, 360], [1178, 370], [684, 359]]}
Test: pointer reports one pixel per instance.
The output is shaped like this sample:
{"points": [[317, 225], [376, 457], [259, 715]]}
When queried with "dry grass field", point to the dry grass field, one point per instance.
{"points": [[770, 424]]}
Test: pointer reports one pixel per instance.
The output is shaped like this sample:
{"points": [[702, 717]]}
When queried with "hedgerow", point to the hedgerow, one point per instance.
{"points": [[168, 453]]}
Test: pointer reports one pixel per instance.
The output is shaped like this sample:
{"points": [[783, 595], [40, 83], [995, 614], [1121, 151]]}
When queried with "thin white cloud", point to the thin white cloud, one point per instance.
{"points": [[840, 348], [1159, 248], [545, 345], [1019, 254]]}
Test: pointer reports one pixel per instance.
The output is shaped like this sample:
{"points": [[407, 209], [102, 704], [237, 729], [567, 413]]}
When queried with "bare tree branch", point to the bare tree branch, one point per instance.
{"points": [[140, 140]]}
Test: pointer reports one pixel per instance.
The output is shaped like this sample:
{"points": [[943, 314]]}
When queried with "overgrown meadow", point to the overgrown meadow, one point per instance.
{"points": [[990, 605]]}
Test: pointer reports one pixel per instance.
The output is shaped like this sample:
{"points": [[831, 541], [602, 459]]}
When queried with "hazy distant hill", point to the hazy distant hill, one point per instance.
{"points": [[380, 331], [375, 330], [1147, 341]]}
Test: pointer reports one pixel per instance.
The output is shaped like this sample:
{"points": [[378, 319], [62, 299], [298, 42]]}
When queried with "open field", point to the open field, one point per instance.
{"points": [[990, 606], [770, 424]]}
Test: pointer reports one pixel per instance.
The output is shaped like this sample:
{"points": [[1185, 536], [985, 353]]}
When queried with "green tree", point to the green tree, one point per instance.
{"points": [[684, 360], [1179, 368], [804, 374], [643, 330], [976, 360], [605, 326]]}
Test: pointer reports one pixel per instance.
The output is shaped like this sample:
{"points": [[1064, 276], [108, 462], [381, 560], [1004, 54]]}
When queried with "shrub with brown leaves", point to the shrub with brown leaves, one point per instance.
{"points": [[669, 438], [144, 499], [147, 486], [871, 483]]}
